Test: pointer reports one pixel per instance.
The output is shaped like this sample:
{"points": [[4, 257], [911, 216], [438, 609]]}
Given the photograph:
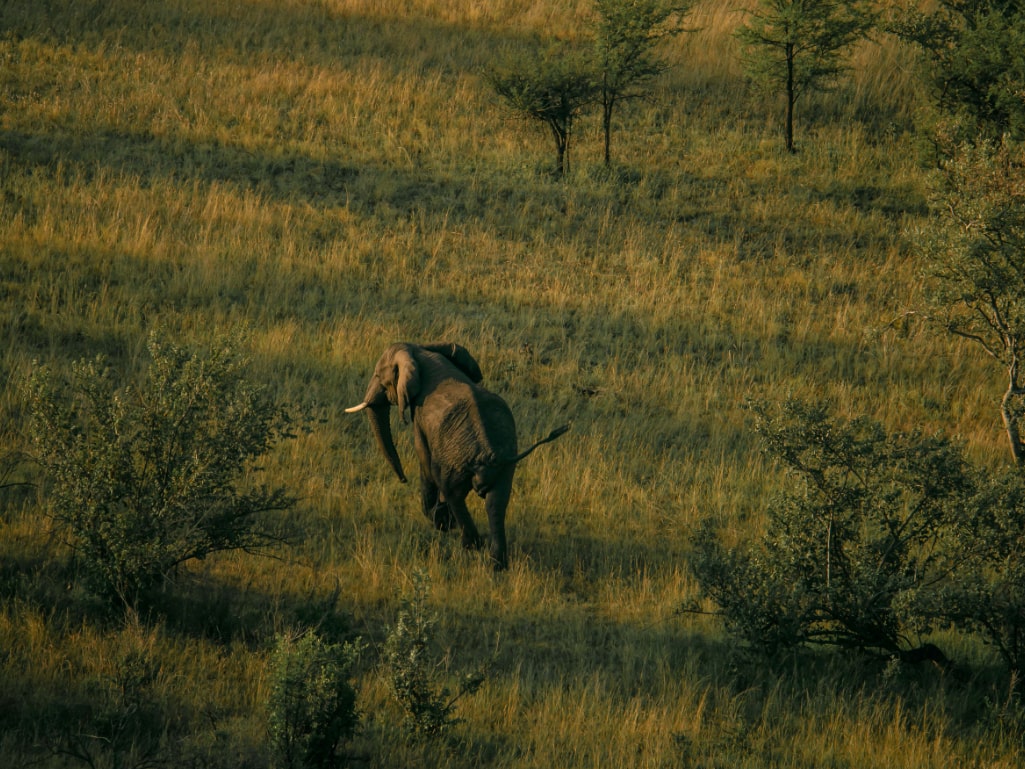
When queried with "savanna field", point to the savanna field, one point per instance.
{"points": [[332, 176]]}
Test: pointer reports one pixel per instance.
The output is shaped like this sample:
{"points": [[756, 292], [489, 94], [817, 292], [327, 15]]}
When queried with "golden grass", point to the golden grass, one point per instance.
{"points": [[334, 176]]}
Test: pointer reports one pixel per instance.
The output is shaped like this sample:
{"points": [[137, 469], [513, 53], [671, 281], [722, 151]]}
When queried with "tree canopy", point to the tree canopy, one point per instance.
{"points": [[974, 63], [552, 87]]}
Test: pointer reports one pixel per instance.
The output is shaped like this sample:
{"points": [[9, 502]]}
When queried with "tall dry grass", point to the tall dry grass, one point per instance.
{"points": [[335, 176]]}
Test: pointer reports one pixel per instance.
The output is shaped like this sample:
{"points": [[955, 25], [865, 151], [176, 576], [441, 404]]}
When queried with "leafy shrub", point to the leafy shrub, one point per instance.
{"points": [[414, 674], [850, 546], [973, 62], [312, 706], [752, 596], [142, 479], [986, 593]]}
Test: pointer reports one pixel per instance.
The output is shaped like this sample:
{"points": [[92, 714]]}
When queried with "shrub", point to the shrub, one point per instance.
{"points": [[142, 479], [973, 62], [413, 671], [986, 594], [850, 546], [312, 705]]}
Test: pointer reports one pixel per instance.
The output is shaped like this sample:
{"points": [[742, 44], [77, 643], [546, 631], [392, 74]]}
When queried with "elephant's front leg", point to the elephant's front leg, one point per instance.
{"points": [[435, 506]]}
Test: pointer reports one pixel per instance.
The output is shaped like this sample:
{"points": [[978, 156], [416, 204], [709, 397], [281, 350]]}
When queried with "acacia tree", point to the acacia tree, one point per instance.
{"points": [[551, 87], [627, 33], [973, 52], [799, 45]]}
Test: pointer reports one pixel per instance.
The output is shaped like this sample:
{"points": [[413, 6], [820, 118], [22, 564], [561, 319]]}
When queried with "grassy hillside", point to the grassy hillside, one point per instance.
{"points": [[334, 176]]}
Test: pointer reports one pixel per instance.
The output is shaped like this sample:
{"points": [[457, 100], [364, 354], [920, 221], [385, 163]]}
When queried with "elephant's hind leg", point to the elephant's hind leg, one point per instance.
{"points": [[496, 501], [471, 537]]}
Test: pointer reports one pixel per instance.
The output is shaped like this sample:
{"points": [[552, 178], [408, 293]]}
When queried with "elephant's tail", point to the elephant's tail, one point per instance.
{"points": [[486, 475], [547, 439]]}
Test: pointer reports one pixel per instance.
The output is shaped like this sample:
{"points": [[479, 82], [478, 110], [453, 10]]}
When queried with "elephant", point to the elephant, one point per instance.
{"points": [[464, 435]]}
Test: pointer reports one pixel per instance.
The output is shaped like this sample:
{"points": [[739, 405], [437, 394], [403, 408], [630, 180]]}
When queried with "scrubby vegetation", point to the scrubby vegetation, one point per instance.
{"points": [[415, 672], [336, 175], [140, 480], [312, 706]]}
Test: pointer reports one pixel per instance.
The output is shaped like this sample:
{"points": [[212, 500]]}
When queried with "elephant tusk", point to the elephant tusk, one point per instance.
{"points": [[354, 409]]}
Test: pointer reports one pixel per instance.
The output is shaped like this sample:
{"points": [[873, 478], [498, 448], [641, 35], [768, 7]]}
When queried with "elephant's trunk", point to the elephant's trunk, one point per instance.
{"points": [[381, 427], [375, 403]]}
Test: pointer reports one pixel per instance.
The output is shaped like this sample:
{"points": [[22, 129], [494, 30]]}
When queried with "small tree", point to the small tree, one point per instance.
{"points": [[850, 546], [798, 45], [627, 33], [312, 705], [974, 254], [121, 720], [975, 259], [552, 88], [142, 479]]}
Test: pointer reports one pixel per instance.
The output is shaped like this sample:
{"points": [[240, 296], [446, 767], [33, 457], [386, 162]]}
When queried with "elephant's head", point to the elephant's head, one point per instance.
{"points": [[399, 376]]}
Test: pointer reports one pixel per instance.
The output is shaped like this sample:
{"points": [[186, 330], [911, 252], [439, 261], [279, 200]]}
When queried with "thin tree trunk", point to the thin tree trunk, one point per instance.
{"points": [[1011, 421], [561, 136], [565, 160]]}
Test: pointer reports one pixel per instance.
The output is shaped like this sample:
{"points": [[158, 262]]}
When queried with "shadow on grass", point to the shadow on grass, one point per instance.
{"points": [[78, 686], [574, 644], [314, 33]]}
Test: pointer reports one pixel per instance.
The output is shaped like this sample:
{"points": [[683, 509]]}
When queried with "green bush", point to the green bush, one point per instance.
{"points": [[414, 673], [849, 548], [986, 592], [973, 62], [143, 478], [312, 707]]}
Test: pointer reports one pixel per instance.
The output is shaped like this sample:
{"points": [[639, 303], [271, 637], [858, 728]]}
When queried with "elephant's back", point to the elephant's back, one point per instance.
{"points": [[470, 422]]}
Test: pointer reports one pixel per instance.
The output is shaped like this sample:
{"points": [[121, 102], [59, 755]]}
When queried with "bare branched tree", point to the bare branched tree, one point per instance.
{"points": [[976, 258]]}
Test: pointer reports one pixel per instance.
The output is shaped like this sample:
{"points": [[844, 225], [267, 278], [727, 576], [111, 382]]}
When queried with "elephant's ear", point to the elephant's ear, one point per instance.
{"points": [[460, 356], [407, 382]]}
